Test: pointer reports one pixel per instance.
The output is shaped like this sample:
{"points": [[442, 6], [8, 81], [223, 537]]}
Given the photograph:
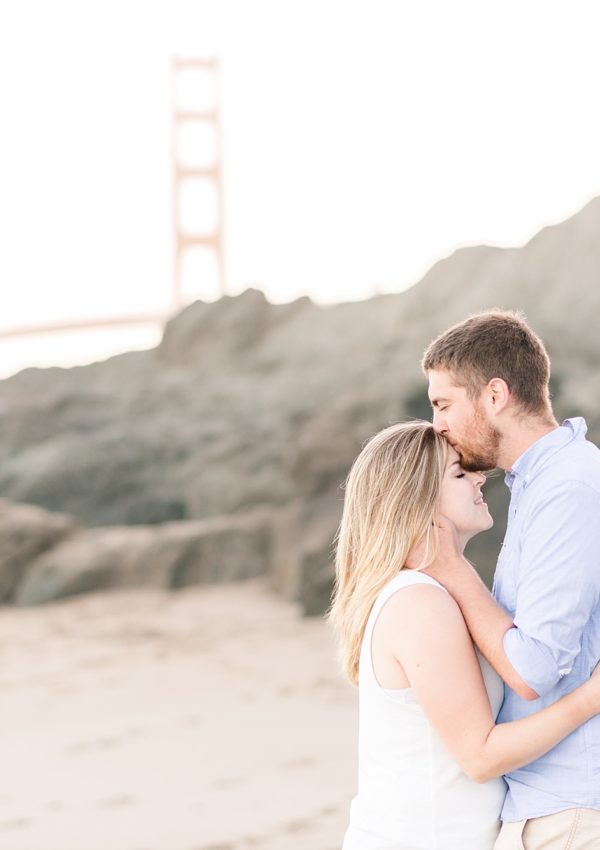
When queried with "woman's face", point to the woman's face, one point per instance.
{"points": [[461, 499]]}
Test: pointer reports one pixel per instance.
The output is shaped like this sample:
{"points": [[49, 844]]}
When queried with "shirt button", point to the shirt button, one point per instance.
{"points": [[564, 672]]}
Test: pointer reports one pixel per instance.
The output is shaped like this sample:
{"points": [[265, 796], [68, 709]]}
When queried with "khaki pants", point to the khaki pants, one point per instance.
{"points": [[573, 829]]}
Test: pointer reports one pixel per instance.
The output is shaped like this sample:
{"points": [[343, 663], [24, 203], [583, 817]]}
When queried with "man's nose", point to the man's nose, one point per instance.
{"points": [[439, 422]]}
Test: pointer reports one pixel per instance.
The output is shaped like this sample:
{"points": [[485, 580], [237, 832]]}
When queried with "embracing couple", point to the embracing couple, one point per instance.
{"points": [[479, 713]]}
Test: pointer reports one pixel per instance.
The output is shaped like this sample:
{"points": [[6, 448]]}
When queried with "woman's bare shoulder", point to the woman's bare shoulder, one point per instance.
{"points": [[420, 612]]}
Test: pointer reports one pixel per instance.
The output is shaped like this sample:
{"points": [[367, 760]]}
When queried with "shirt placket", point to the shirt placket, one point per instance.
{"points": [[504, 589]]}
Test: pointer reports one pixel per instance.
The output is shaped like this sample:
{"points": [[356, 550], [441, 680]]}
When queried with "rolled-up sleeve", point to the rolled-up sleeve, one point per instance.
{"points": [[558, 584]]}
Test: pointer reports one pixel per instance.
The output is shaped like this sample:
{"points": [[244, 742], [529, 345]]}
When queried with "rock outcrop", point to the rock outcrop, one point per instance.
{"points": [[26, 532], [169, 555]]}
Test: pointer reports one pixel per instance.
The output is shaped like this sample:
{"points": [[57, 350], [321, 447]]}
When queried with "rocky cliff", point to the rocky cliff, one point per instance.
{"points": [[220, 453]]}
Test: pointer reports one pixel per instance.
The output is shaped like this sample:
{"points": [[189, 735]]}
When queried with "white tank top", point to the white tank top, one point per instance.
{"points": [[412, 795]]}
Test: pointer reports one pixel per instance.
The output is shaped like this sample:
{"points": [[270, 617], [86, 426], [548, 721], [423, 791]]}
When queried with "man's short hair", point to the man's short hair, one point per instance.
{"points": [[494, 344]]}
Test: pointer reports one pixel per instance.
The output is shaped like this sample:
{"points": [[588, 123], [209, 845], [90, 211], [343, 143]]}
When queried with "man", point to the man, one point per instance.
{"points": [[488, 386]]}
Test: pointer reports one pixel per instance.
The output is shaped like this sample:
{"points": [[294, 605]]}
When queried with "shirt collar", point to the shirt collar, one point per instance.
{"points": [[537, 454]]}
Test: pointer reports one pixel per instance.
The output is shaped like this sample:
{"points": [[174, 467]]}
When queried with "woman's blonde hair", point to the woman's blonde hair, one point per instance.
{"points": [[392, 493]]}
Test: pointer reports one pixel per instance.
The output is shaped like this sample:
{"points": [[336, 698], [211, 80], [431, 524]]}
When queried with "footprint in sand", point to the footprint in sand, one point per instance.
{"points": [[118, 801], [297, 826], [227, 782], [330, 810], [109, 742], [215, 847], [298, 763], [78, 747], [15, 823], [191, 720]]}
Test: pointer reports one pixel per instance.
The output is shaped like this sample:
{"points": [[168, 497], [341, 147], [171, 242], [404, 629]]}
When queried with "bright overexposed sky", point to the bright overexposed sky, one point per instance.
{"points": [[363, 141]]}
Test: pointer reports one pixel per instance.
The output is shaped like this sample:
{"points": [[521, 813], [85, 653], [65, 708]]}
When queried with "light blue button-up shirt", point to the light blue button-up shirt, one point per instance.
{"points": [[548, 579]]}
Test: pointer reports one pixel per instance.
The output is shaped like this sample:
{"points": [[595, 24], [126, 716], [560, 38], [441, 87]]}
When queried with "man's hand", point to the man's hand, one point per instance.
{"points": [[487, 621]]}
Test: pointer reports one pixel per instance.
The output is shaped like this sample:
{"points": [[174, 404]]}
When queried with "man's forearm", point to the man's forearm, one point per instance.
{"points": [[485, 619]]}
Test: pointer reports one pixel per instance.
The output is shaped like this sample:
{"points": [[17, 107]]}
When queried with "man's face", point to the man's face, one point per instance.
{"points": [[463, 422]]}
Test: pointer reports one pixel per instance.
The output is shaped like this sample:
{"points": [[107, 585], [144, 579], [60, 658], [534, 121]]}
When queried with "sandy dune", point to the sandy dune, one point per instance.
{"points": [[210, 719]]}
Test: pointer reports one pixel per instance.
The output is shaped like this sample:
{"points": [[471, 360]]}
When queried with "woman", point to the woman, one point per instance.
{"points": [[430, 755]]}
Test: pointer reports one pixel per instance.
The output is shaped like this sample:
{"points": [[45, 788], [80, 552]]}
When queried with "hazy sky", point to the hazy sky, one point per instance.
{"points": [[363, 141]]}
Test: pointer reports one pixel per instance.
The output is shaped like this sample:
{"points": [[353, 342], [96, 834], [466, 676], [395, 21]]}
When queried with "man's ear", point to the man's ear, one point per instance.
{"points": [[497, 395]]}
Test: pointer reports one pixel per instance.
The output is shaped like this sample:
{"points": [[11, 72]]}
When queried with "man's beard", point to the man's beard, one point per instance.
{"points": [[480, 453]]}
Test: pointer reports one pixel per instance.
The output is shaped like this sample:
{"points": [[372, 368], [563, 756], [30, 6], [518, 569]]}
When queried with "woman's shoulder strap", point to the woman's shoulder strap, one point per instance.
{"points": [[406, 578]]}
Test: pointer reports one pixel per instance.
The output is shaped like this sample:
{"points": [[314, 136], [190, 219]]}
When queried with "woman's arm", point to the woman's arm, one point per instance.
{"points": [[427, 635]]}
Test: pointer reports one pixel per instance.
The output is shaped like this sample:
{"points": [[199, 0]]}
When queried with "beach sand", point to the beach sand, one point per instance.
{"points": [[213, 718]]}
